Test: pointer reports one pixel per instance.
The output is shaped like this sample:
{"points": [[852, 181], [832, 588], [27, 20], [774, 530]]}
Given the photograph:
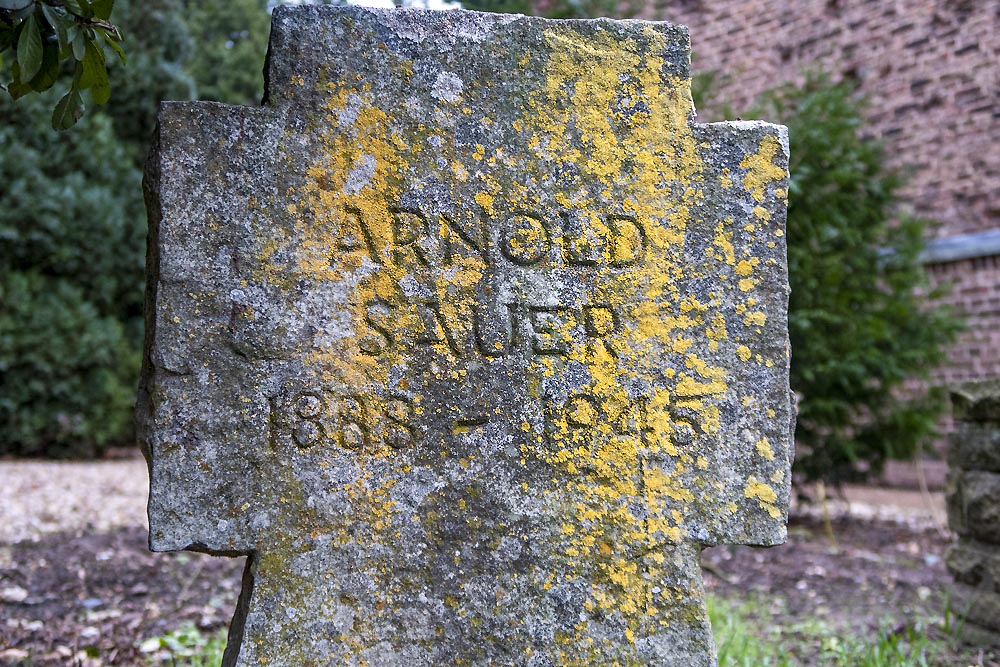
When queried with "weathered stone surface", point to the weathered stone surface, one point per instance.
{"points": [[976, 401], [471, 338], [973, 497], [980, 498], [975, 564], [978, 635], [978, 606], [953, 501], [975, 446]]}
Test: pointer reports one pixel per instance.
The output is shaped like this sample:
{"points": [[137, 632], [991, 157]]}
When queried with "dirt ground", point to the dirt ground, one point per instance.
{"points": [[90, 593]]}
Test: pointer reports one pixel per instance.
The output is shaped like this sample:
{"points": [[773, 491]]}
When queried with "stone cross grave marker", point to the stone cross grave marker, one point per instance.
{"points": [[470, 338]]}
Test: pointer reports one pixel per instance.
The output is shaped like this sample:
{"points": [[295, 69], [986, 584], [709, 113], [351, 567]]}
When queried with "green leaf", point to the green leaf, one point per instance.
{"points": [[79, 7], [14, 5], [93, 69], [29, 48], [114, 45], [49, 72], [69, 110], [6, 37], [57, 18], [21, 14], [79, 45], [17, 88], [94, 74], [102, 8]]}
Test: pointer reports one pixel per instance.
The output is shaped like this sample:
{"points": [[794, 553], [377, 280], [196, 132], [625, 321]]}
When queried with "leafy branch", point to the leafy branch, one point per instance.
{"points": [[42, 34]]}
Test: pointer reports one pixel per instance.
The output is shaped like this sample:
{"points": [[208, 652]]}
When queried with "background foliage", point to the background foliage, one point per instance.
{"points": [[862, 332], [72, 226], [44, 36], [72, 222]]}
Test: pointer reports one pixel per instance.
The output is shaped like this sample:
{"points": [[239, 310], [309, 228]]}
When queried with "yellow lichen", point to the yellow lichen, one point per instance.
{"points": [[625, 469], [764, 449], [761, 169]]}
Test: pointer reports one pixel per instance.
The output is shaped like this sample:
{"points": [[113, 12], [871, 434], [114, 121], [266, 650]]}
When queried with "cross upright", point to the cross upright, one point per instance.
{"points": [[470, 338]]}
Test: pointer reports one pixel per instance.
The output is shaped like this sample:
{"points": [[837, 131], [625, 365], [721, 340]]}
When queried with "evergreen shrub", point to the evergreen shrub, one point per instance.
{"points": [[71, 274], [865, 334]]}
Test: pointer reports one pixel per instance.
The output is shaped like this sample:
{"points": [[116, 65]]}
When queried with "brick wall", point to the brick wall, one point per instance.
{"points": [[928, 67], [931, 71], [975, 290]]}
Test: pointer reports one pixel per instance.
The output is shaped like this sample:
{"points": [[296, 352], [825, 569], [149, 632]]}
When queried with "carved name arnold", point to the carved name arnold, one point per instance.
{"points": [[470, 338]]}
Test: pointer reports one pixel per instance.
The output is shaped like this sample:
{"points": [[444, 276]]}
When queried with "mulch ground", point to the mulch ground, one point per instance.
{"points": [[91, 599], [871, 573]]}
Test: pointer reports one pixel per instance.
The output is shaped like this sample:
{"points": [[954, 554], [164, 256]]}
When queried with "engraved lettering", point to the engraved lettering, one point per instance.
{"points": [[628, 241], [493, 339], [524, 239], [434, 322], [600, 322], [582, 411], [377, 314], [352, 420], [682, 415], [582, 244], [548, 328], [354, 234], [477, 242], [309, 430], [408, 226], [400, 432]]}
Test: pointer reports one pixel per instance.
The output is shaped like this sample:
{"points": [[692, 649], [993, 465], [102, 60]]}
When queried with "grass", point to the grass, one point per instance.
{"points": [[745, 635], [738, 639], [185, 647]]}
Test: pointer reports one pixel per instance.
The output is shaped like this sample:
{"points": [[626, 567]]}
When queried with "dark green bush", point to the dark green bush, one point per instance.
{"points": [[71, 262], [73, 224], [862, 330], [66, 371]]}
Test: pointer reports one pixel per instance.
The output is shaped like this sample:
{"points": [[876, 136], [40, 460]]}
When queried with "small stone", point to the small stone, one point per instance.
{"points": [[13, 594], [14, 654], [151, 645]]}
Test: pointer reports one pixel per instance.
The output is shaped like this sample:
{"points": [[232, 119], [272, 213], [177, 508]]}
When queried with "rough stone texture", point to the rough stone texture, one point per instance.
{"points": [[928, 69], [981, 504], [976, 403], [974, 510], [975, 565], [976, 446], [471, 338], [980, 609]]}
